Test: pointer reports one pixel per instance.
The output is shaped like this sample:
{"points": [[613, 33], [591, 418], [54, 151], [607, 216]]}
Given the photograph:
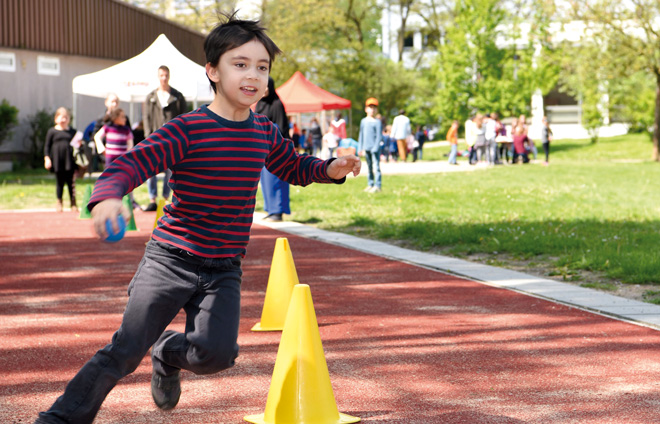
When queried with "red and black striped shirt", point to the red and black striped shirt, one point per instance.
{"points": [[216, 164]]}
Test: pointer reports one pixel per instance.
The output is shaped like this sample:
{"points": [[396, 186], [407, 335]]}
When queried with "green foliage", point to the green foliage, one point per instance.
{"points": [[39, 124], [8, 118], [622, 41], [633, 98], [340, 53], [473, 73]]}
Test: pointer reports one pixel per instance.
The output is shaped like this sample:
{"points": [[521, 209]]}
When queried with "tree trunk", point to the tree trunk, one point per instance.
{"points": [[656, 120]]}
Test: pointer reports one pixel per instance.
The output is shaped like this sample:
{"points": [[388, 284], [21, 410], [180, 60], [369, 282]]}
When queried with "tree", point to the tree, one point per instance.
{"points": [[476, 71], [340, 53], [404, 8], [628, 34]]}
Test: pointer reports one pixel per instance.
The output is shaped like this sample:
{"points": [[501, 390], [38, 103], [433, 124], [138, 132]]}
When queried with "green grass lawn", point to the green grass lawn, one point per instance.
{"points": [[594, 208]]}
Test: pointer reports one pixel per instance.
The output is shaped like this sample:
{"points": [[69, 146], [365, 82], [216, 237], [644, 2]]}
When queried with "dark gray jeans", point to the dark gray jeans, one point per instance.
{"points": [[167, 280]]}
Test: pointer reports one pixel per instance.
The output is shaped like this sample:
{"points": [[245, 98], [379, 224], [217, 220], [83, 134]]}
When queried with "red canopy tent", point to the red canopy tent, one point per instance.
{"points": [[299, 95]]}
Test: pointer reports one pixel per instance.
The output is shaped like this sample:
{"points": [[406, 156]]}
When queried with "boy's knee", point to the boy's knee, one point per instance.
{"points": [[211, 361]]}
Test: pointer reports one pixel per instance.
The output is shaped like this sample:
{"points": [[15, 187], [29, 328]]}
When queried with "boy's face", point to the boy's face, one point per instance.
{"points": [[241, 76], [370, 110]]}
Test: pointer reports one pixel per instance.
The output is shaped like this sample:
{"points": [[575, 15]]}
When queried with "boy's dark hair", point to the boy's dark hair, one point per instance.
{"points": [[164, 68], [232, 34]]}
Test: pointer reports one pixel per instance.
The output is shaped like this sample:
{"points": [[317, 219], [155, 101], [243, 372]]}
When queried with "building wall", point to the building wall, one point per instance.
{"points": [[29, 91], [75, 37]]}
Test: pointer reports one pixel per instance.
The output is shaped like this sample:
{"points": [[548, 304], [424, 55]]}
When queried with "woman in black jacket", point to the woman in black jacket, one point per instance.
{"points": [[275, 191]]}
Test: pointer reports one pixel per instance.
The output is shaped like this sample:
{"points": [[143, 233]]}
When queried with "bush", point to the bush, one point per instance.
{"points": [[8, 118], [39, 124]]}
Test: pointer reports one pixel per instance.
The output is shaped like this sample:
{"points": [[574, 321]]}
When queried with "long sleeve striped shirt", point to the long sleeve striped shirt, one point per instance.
{"points": [[216, 164]]}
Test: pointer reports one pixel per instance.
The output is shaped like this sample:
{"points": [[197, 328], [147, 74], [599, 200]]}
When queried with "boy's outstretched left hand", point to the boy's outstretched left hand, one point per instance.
{"points": [[344, 165]]}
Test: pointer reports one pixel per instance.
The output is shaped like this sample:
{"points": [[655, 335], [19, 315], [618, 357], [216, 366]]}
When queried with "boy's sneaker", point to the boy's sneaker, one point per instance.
{"points": [[375, 190], [166, 391], [368, 189]]}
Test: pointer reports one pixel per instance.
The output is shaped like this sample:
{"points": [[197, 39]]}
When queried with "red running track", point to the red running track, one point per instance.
{"points": [[403, 344]]}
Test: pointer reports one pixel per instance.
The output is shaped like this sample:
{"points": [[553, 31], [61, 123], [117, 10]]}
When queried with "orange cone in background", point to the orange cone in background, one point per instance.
{"points": [[281, 280], [300, 390]]}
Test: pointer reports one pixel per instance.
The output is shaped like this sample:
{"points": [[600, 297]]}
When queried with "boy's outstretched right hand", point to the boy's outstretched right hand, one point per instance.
{"points": [[108, 209], [343, 166]]}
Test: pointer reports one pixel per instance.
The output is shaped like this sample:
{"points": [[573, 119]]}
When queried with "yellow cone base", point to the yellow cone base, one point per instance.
{"points": [[343, 419], [300, 389], [281, 280], [259, 327]]}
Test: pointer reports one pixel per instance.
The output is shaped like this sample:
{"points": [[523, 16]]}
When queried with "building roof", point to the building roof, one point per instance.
{"points": [[109, 29]]}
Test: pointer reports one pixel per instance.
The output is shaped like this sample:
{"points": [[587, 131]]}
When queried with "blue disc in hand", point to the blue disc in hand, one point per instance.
{"points": [[113, 237]]}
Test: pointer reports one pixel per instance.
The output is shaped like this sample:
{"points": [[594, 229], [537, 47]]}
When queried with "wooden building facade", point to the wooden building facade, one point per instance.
{"points": [[44, 44]]}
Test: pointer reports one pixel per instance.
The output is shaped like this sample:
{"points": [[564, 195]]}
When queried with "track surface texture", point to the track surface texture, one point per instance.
{"points": [[403, 344]]}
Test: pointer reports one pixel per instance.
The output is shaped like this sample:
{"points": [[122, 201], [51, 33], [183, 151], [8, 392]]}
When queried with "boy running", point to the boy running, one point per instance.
{"points": [[193, 260]]}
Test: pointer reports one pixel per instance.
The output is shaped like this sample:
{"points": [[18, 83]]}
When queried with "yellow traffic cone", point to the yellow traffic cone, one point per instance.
{"points": [[300, 390], [159, 211], [281, 280]]}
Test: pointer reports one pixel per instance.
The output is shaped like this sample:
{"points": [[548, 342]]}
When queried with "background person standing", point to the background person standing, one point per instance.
{"points": [[274, 190], [400, 132], [371, 134], [111, 103], [58, 157], [161, 106]]}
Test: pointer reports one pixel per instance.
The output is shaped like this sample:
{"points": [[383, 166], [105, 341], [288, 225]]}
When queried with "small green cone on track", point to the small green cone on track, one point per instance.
{"points": [[130, 226], [84, 212]]}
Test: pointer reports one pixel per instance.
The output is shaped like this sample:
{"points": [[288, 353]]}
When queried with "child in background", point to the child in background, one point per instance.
{"points": [[369, 144], [452, 138], [193, 260], [520, 144], [392, 145], [546, 137], [118, 137], [58, 157], [330, 142], [304, 146]]}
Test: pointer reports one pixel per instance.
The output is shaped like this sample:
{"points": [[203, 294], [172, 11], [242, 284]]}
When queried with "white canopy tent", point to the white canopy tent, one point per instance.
{"points": [[134, 78]]}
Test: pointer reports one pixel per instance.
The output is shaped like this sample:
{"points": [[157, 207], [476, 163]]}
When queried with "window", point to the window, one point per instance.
{"points": [[48, 65], [7, 62], [408, 41]]}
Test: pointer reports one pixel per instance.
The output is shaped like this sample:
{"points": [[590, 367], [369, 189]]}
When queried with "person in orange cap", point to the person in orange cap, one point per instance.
{"points": [[369, 139]]}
